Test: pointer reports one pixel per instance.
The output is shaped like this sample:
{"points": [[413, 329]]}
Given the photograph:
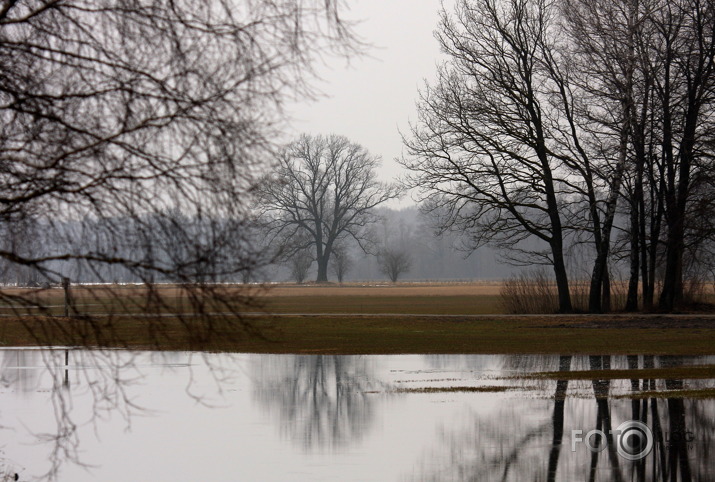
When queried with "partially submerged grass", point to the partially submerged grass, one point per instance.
{"points": [[691, 393], [665, 373], [483, 389]]}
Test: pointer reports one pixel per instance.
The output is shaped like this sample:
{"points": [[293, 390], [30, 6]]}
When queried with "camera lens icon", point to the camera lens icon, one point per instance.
{"points": [[634, 440]]}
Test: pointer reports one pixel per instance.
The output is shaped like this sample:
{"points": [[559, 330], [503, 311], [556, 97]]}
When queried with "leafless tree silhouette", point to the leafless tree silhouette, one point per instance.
{"points": [[485, 151], [547, 114], [342, 262], [299, 264], [323, 190], [394, 262]]}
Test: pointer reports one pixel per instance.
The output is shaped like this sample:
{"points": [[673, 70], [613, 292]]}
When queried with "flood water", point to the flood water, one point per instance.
{"points": [[117, 416]]}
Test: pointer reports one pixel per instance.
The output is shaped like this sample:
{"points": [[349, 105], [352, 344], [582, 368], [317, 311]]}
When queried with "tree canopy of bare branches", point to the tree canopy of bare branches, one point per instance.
{"points": [[299, 264], [394, 262], [322, 191], [485, 150], [122, 121], [548, 114], [342, 262]]}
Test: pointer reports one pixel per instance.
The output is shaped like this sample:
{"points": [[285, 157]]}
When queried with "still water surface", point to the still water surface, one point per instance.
{"points": [[118, 416]]}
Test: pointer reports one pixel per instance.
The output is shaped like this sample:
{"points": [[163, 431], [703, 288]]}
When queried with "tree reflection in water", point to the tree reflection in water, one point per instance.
{"points": [[322, 401], [105, 376], [532, 441], [63, 399]]}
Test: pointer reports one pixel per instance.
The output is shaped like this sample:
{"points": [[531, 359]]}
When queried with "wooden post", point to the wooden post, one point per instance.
{"points": [[67, 363], [66, 287]]}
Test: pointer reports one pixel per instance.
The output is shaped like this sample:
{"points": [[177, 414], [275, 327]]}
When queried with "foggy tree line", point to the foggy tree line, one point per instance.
{"points": [[552, 120], [410, 233], [207, 250], [159, 247]]}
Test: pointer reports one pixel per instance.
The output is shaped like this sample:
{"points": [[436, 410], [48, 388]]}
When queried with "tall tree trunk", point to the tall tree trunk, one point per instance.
{"points": [[324, 260], [672, 294], [599, 277], [644, 144], [692, 83], [562, 280], [647, 273], [322, 269], [606, 291], [656, 220], [645, 159], [594, 294], [632, 297]]}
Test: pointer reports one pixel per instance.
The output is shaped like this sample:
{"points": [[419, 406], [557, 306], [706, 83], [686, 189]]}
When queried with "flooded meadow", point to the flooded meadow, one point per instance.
{"points": [[118, 415]]}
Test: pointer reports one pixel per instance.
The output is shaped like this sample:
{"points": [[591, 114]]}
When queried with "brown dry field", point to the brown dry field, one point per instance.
{"points": [[408, 298], [384, 298], [375, 288], [477, 288], [375, 297]]}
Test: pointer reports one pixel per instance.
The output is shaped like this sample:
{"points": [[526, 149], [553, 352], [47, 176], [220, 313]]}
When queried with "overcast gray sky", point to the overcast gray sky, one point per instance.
{"points": [[372, 97]]}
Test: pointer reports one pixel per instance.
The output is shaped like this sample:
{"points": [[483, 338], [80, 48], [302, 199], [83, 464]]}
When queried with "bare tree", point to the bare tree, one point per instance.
{"points": [[487, 151], [683, 59], [323, 189], [342, 262], [547, 112], [394, 262], [602, 61], [127, 118], [655, 59], [300, 263]]}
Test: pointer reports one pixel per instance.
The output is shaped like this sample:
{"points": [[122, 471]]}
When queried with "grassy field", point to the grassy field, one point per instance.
{"points": [[391, 319]]}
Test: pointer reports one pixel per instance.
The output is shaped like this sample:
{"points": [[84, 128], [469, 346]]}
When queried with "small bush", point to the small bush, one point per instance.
{"points": [[530, 292], [694, 292]]}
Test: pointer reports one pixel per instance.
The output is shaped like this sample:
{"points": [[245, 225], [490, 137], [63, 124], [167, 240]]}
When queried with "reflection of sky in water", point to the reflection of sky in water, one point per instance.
{"points": [[179, 416]]}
